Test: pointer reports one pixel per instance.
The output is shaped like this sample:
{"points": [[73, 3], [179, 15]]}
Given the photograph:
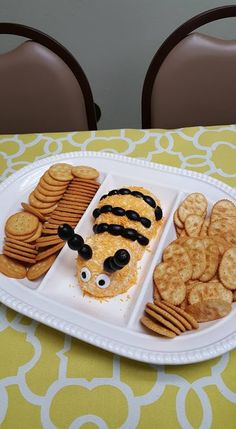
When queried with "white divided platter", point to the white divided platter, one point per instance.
{"points": [[113, 324]]}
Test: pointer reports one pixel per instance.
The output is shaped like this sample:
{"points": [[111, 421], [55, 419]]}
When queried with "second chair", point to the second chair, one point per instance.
{"points": [[191, 79]]}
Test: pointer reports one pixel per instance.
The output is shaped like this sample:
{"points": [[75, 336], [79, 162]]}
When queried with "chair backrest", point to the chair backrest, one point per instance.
{"points": [[42, 86], [191, 79]]}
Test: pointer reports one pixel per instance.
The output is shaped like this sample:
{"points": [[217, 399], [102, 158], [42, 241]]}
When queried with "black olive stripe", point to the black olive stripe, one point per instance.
{"points": [[125, 191], [115, 229], [118, 211], [149, 200]]}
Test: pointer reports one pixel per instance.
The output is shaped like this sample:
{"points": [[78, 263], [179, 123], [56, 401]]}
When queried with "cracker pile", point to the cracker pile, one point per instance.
{"points": [[198, 270], [31, 242]]}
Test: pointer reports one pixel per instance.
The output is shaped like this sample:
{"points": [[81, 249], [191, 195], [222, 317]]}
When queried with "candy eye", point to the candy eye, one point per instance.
{"points": [[103, 281], [85, 274]]}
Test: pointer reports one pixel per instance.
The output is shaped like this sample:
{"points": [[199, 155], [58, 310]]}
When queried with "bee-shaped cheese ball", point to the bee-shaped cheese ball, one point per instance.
{"points": [[126, 220]]}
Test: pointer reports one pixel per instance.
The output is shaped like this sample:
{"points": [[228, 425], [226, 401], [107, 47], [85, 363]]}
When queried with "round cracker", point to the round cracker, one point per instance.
{"points": [[156, 294], [210, 309], [196, 251], [48, 193], [40, 268], [221, 243], [227, 269], [46, 199], [21, 223], [223, 209], [33, 210], [61, 172], [49, 210], [193, 224], [204, 228], [39, 204], [36, 235], [13, 249], [85, 172], [60, 187], [169, 283], [19, 237], [157, 327], [47, 238], [11, 268], [177, 220], [212, 259], [176, 255], [222, 226], [20, 243], [209, 290], [48, 243], [194, 203], [23, 249], [53, 182]]}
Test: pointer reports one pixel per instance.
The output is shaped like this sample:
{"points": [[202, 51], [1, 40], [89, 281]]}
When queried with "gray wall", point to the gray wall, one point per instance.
{"points": [[114, 41]]}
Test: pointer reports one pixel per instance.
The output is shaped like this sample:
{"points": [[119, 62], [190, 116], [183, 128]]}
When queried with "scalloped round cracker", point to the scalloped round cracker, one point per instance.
{"points": [[169, 283], [210, 309], [212, 259], [223, 209], [196, 251], [177, 220], [209, 290], [176, 255], [194, 203], [227, 269], [204, 228], [193, 224]]}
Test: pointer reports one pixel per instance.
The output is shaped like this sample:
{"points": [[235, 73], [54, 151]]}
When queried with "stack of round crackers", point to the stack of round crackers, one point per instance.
{"points": [[198, 271], [31, 241]]}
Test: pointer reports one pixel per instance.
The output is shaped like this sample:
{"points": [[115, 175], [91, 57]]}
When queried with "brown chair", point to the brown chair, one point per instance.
{"points": [[42, 86], [191, 79]]}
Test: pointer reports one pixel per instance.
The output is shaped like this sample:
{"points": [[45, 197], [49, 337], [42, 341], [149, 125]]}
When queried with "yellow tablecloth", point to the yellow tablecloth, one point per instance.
{"points": [[49, 380]]}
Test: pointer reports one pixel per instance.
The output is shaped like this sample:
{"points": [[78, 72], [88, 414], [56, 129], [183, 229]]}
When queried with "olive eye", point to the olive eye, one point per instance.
{"points": [[85, 274], [103, 281]]}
